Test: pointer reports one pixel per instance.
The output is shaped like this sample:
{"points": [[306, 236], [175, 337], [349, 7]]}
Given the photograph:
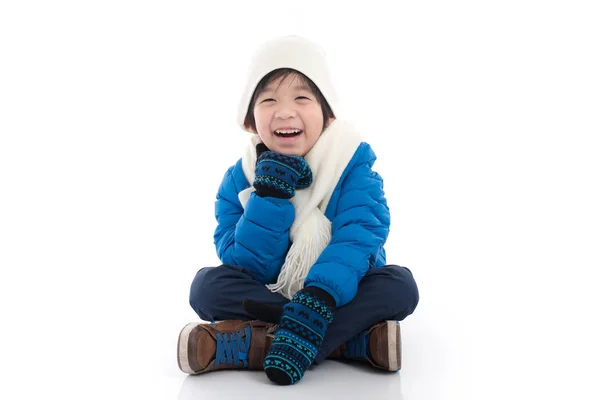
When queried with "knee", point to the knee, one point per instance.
{"points": [[202, 291], [212, 287], [405, 293]]}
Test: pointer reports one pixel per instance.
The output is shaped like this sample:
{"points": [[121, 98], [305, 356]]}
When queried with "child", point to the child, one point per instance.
{"points": [[302, 220]]}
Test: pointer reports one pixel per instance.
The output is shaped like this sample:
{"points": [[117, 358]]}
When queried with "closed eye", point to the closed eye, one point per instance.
{"points": [[302, 97], [265, 100]]}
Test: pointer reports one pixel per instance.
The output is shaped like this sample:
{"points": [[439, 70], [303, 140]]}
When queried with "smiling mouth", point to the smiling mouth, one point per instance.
{"points": [[286, 133]]}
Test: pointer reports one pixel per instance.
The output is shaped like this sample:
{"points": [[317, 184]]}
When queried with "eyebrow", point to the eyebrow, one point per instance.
{"points": [[301, 86]]}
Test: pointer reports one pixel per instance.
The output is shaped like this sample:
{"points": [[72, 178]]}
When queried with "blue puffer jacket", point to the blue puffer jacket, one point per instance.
{"points": [[258, 237]]}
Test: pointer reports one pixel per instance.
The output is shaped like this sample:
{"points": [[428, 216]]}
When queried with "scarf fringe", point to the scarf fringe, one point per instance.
{"points": [[316, 234]]}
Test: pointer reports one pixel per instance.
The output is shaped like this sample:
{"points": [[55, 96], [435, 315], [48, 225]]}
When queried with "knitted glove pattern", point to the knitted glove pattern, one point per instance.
{"points": [[279, 175], [301, 331]]}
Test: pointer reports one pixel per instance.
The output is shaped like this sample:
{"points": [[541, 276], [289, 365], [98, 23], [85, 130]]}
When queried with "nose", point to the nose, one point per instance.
{"points": [[285, 111]]}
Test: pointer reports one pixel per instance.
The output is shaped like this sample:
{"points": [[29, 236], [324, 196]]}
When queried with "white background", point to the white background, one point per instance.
{"points": [[117, 122]]}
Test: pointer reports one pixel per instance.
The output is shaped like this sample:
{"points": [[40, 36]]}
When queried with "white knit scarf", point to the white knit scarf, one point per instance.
{"points": [[311, 230]]}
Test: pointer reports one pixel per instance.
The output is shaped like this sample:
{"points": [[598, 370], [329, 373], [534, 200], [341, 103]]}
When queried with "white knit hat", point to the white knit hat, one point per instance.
{"points": [[288, 52]]}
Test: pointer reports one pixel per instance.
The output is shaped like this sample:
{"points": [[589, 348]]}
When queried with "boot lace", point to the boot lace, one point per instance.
{"points": [[233, 348]]}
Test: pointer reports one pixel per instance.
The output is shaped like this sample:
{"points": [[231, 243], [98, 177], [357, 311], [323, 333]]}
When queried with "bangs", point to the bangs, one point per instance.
{"points": [[282, 74]]}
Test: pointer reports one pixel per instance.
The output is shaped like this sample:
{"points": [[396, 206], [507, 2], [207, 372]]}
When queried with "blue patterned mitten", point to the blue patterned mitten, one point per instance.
{"points": [[279, 175], [301, 331]]}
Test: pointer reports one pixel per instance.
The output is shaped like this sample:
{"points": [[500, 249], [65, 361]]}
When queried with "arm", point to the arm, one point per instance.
{"points": [[359, 231], [256, 238]]}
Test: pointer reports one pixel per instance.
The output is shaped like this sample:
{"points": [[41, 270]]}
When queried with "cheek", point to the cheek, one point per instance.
{"points": [[259, 115], [316, 118]]}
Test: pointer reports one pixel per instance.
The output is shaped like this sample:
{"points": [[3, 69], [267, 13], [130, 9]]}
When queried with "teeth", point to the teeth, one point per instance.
{"points": [[287, 131]]}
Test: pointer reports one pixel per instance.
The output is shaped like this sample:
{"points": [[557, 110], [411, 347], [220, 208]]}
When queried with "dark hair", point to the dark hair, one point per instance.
{"points": [[284, 73]]}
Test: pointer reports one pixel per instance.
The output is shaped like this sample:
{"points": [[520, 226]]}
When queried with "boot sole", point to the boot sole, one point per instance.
{"points": [[183, 349], [394, 345]]}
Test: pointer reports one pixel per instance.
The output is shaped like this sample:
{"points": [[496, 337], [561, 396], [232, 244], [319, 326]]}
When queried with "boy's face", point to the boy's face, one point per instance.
{"points": [[289, 120]]}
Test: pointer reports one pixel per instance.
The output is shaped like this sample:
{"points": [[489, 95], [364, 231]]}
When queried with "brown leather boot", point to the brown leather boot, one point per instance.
{"points": [[379, 345], [228, 344], [237, 344]]}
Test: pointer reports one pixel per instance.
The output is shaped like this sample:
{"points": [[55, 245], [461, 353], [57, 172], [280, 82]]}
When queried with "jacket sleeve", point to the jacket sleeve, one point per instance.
{"points": [[359, 231], [257, 237]]}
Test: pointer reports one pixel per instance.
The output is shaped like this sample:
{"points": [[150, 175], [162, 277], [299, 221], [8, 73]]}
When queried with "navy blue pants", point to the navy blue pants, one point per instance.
{"points": [[386, 293]]}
